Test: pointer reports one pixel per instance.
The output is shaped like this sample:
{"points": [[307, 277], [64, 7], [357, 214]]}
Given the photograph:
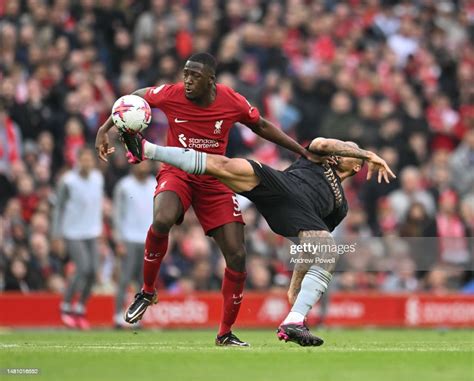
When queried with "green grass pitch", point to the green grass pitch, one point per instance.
{"points": [[365, 355]]}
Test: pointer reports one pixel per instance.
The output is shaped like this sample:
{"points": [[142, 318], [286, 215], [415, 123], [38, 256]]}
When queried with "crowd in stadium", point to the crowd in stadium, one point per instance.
{"points": [[395, 76]]}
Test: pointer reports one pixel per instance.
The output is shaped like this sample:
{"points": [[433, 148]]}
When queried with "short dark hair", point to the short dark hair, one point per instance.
{"points": [[206, 59]]}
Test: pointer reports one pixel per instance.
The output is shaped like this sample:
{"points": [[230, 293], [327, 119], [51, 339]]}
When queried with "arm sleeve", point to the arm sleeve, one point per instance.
{"points": [[119, 206], [248, 113], [62, 195], [156, 96]]}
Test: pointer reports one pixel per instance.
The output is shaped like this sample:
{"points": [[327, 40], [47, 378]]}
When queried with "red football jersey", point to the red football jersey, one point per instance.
{"points": [[201, 128]]}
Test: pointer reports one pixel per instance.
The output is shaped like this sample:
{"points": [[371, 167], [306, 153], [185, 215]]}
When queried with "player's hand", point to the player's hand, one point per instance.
{"points": [[377, 164], [315, 158], [102, 145]]}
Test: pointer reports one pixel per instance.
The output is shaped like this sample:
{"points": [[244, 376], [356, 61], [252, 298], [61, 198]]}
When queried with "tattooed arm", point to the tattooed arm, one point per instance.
{"points": [[334, 147], [323, 146]]}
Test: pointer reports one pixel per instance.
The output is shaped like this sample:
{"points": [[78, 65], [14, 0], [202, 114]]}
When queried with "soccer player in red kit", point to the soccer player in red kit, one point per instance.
{"points": [[200, 115]]}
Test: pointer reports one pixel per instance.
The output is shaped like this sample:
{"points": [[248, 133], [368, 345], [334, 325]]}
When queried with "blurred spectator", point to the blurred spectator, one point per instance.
{"points": [[403, 278], [451, 231], [417, 221], [411, 191], [462, 162], [10, 141], [340, 122], [78, 220], [133, 211]]}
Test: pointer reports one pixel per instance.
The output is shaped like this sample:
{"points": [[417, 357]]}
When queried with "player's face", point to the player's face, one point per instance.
{"points": [[197, 80], [348, 164]]}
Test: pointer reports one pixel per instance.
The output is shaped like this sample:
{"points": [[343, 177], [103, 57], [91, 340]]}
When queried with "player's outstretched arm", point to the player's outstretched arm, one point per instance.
{"points": [[102, 139], [270, 132], [335, 147]]}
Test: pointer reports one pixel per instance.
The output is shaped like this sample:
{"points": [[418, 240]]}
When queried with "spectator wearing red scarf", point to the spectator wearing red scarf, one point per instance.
{"points": [[10, 141]]}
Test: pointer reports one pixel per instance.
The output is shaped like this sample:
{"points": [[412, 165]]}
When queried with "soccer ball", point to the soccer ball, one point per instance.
{"points": [[131, 113]]}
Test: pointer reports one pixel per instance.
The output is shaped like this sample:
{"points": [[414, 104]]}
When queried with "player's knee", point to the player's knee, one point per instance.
{"points": [[163, 222], [166, 214], [235, 258]]}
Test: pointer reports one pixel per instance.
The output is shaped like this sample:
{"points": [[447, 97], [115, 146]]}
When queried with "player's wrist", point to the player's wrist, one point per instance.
{"points": [[109, 123], [370, 155], [305, 152]]}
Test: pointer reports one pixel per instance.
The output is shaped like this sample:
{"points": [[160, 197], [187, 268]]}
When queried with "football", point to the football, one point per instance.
{"points": [[131, 113]]}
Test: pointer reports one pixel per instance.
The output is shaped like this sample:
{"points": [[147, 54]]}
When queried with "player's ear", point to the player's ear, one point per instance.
{"points": [[212, 79]]}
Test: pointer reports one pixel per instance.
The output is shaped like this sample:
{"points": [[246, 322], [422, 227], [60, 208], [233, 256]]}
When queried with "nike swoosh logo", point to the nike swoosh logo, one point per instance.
{"points": [[176, 120], [150, 260], [131, 316], [237, 214], [157, 89], [240, 301]]}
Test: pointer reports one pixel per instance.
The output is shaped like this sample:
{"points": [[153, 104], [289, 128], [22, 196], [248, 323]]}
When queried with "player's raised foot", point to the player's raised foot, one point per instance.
{"points": [[230, 340], [134, 144], [138, 307], [298, 333]]}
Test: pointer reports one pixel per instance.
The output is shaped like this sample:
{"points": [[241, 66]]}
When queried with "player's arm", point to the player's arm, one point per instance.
{"points": [[323, 146], [270, 132], [334, 147], [102, 139]]}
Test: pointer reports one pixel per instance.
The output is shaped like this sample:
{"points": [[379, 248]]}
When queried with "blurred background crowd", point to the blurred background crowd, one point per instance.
{"points": [[395, 76]]}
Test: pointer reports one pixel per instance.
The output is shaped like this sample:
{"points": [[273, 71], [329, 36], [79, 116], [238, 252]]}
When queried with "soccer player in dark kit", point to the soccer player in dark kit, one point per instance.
{"points": [[306, 200], [200, 113]]}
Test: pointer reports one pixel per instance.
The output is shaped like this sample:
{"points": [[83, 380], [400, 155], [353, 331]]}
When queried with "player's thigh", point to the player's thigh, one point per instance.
{"points": [[173, 196], [318, 233], [237, 174], [215, 205], [167, 208]]}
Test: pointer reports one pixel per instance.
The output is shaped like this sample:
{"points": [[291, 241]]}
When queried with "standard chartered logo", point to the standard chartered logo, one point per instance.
{"points": [[182, 140], [197, 143]]}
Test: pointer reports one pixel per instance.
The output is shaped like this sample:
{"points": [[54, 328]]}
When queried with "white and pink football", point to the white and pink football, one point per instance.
{"points": [[131, 113]]}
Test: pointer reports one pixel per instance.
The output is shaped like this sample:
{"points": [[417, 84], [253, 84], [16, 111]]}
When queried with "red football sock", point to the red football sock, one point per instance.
{"points": [[156, 245], [232, 288]]}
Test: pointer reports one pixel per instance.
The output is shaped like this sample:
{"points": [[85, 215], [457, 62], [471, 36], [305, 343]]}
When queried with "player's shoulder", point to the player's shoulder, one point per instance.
{"points": [[167, 90], [226, 90], [231, 95], [173, 88]]}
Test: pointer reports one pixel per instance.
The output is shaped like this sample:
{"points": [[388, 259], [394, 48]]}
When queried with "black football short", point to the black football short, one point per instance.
{"points": [[280, 198]]}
